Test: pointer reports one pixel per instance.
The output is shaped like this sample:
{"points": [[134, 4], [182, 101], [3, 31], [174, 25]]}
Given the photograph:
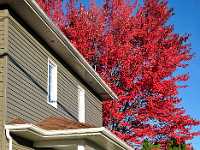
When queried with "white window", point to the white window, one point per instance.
{"points": [[52, 83], [81, 104]]}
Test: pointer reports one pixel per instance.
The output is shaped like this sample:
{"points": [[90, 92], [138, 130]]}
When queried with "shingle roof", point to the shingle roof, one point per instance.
{"points": [[18, 121], [55, 123], [60, 123]]}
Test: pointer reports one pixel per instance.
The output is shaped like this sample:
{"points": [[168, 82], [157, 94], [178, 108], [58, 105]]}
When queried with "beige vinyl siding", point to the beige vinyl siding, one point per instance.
{"points": [[93, 110], [3, 37], [2, 102], [27, 81], [3, 29], [1, 34]]}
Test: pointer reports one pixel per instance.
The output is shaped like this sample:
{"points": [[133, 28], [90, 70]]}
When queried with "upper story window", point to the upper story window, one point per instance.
{"points": [[52, 83], [81, 104]]}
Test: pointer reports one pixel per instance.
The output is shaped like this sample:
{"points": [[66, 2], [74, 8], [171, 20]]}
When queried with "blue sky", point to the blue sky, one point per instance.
{"points": [[187, 20]]}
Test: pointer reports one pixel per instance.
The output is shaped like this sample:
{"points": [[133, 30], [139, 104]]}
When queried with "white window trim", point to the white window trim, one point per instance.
{"points": [[81, 104], [54, 104]]}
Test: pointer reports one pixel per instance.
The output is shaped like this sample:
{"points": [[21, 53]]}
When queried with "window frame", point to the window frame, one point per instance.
{"points": [[81, 104], [54, 74]]}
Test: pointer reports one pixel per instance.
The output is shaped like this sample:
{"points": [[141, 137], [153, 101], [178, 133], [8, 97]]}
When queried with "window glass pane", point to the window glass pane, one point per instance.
{"points": [[52, 82]]}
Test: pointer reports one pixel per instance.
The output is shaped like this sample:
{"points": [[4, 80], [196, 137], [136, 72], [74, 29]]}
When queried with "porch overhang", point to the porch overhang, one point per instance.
{"points": [[100, 138]]}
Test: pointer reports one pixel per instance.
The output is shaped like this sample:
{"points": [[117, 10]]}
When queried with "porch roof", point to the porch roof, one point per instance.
{"points": [[101, 138]]}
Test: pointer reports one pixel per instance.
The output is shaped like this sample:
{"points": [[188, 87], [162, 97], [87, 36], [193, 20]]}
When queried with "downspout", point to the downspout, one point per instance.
{"points": [[8, 136]]}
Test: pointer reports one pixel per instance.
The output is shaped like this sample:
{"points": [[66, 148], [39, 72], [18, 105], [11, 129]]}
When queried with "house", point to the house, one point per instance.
{"points": [[50, 97]]}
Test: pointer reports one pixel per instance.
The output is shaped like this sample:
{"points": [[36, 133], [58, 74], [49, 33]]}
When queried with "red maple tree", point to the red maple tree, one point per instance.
{"points": [[137, 54]]}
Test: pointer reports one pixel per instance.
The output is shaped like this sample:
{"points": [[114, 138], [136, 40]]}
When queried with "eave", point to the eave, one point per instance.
{"points": [[60, 139], [38, 21]]}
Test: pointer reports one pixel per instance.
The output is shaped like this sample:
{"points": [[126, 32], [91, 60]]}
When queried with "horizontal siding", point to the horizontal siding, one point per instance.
{"points": [[93, 110], [2, 29], [27, 82], [2, 97], [3, 15]]}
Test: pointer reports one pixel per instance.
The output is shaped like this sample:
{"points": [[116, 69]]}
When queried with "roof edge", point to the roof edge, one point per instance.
{"points": [[102, 131], [78, 63]]}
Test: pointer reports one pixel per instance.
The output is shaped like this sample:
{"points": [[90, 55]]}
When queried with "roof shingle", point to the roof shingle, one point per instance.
{"points": [[61, 123], [55, 123]]}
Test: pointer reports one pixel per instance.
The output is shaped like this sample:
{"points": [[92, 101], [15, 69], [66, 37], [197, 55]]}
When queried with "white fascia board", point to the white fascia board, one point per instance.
{"points": [[18, 127], [115, 138], [37, 20], [61, 134]]}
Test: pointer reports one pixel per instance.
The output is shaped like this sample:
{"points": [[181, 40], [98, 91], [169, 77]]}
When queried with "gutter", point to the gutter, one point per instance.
{"points": [[8, 136], [61, 134], [30, 12], [33, 4]]}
